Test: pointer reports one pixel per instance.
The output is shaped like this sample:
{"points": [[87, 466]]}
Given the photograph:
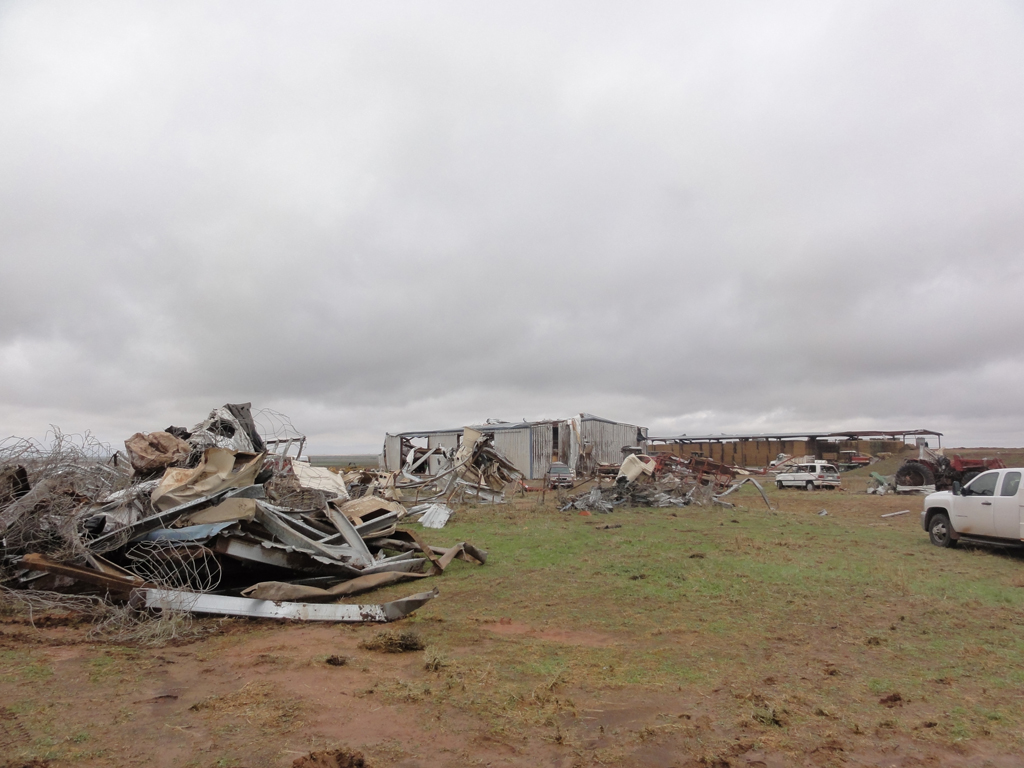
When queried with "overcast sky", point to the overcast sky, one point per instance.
{"points": [[696, 217]]}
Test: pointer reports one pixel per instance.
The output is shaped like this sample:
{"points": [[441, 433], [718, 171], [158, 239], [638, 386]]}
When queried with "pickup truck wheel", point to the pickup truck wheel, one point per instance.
{"points": [[779, 485], [810, 485], [939, 531]]}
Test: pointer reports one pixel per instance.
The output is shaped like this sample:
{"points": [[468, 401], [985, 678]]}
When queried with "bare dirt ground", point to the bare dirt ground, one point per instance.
{"points": [[683, 638]]}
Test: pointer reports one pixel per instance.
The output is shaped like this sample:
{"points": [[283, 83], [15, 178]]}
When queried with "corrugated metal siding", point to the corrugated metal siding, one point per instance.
{"points": [[569, 448], [392, 453], [443, 440], [514, 444], [607, 439], [541, 446]]}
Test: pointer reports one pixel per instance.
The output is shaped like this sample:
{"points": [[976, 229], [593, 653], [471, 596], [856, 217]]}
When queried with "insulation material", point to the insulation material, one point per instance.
{"points": [[227, 510], [320, 479], [219, 469], [276, 590], [152, 451], [633, 466]]}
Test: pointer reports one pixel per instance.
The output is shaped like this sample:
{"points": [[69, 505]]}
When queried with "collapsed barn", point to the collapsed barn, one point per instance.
{"points": [[584, 443]]}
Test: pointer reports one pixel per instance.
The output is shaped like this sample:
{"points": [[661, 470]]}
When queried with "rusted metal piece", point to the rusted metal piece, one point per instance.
{"points": [[114, 583]]}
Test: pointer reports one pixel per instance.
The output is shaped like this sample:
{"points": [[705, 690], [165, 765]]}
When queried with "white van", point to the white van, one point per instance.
{"points": [[820, 474]]}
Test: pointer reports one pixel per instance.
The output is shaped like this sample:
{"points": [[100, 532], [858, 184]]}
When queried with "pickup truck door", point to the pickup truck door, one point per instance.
{"points": [[1006, 507], [973, 509]]}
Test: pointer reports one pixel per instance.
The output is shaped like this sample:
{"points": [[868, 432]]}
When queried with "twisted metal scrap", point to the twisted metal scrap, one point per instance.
{"points": [[68, 475], [175, 565]]}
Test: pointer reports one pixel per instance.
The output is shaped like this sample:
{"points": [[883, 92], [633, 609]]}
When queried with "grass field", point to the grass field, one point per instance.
{"points": [[697, 636]]}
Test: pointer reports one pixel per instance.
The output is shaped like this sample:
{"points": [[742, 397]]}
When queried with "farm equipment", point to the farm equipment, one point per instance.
{"points": [[931, 468]]}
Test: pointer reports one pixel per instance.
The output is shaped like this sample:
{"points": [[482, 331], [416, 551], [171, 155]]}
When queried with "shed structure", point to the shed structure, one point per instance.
{"points": [[608, 438]]}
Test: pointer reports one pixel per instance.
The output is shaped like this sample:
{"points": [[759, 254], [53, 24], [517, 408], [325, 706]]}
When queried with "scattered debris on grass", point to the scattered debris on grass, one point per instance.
{"points": [[664, 480], [432, 515], [883, 484]]}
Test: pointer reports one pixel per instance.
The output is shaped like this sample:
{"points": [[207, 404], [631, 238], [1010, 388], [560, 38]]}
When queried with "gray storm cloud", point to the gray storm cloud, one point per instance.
{"points": [[698, 218]]}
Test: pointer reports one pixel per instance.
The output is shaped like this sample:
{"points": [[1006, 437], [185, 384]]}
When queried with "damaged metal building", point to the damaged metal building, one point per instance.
{"points": [[583, 442]]}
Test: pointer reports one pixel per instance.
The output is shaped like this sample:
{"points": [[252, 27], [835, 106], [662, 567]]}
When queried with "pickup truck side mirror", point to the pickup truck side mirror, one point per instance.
{"points": [[956, 487]]}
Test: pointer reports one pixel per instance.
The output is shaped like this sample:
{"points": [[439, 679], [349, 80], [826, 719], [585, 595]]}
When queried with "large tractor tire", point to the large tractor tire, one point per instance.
{"points": [[968, 476], [915, 473]]}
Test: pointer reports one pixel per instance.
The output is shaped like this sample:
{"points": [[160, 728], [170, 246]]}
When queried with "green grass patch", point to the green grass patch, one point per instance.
{"points": [[845, 606]]}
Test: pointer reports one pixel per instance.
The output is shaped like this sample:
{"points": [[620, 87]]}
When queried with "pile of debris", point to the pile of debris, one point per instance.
{"points": [[663, 480], [218, 519], [474, 471]]}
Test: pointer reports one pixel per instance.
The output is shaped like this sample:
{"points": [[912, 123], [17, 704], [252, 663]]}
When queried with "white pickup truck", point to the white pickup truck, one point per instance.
{"points": [[820, 474], [987, 509]]}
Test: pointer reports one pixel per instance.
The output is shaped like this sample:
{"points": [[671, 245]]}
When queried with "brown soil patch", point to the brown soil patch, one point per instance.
{"points": [[563, 636]]}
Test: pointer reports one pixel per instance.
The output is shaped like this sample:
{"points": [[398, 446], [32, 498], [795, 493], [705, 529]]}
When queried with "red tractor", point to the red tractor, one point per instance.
{"points": [[930, 468]]}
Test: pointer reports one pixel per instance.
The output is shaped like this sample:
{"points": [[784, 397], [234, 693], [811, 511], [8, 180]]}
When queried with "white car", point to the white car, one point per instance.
{"points": [[987, 509], [820, 474]]}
